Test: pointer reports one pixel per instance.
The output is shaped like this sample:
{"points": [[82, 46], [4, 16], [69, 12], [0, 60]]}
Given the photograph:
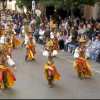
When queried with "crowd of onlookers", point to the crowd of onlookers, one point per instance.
{"points": [[67, 33]]}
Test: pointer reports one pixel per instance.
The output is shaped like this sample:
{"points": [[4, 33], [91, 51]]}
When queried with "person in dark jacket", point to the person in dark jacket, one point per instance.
{"points": [[73, 42], [46, 36], [91, 31]]}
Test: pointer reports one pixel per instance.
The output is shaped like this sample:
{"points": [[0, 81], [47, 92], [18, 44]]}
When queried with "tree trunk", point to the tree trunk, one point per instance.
{"points": [[3, 5], [72, 17]]}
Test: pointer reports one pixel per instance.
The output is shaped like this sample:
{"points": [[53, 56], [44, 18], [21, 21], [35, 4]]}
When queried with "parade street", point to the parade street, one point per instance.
{"points": [[31, 83]]}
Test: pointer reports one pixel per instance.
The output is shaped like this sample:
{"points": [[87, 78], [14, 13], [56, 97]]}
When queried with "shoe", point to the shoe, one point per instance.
{"points": [[33, 59], [50, 83], [80, 76], [62, 50], [26, 58]]}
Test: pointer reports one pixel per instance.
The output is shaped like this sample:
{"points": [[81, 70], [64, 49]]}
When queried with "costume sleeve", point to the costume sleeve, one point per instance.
{"points": [[54, 52], [11, 40], [33, 40], [2, 40], [10, 61], [76, 54], [86, 53], [45, 53], [26, 40]]}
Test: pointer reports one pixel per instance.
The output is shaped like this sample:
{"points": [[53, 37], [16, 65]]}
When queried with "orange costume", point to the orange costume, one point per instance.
{"points": [[30, 46], [1, 30], [16, 42], [7, 77], [51, 73], [81, 64]]}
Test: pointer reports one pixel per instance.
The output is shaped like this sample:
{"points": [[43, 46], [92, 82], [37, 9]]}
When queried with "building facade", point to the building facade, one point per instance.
{"points": [[90, 11]]}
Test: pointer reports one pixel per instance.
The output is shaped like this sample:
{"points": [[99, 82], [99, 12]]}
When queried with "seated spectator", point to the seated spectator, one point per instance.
{"points": [[33, 27], [73, 42], [95, 33], [82, 29], [94, 49], [41, 35], [61, 41], [91, 30], [46, 36], [66, 36], [74, 46], [36, 33], [88, 42], [88, 24], [67, 41]]}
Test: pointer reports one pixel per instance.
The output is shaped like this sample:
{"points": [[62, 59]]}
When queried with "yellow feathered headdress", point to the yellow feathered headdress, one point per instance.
{"points": [[30, 30], [9, 23], [82, 40], [55, 26], [7, 29], [50, 43], [25, 21]]}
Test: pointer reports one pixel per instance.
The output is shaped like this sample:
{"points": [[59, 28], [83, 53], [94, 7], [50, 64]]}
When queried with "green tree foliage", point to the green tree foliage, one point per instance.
{"points": [[3, 1], [26, 3], [69, 4]]}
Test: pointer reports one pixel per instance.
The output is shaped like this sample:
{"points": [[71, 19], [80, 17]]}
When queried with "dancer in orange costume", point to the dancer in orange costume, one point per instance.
{"points": [[81, 64], [7, 77], [51, 73], [30, 46], [16, 42]]}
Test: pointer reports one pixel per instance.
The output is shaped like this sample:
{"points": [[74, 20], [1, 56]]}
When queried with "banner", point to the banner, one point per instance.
{"points": [[33, 5]]}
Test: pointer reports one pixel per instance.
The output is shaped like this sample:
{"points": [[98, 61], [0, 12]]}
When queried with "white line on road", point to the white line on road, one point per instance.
{"points": [[73, 62], [66, 56], [64, 53]]}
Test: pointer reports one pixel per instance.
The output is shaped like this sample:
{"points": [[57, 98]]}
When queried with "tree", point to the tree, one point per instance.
{"points": [[3, 2], [69, 4], [26, 3]]}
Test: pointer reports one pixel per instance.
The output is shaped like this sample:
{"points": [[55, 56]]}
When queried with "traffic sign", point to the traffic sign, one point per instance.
{"points": [[33, 5]]}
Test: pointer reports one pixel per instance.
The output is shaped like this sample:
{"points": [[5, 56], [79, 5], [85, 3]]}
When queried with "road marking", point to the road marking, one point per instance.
{"points": [[65, 56], [73, 62], [64, 53], [39, 49]]}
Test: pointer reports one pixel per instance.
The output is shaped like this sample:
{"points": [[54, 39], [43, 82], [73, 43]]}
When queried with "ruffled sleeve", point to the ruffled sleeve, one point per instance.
{"points": [[10, 61], [76, 54], [26, 39], [2, 40], [86, 53], [33, 40], [54, 52], [45, 53]]}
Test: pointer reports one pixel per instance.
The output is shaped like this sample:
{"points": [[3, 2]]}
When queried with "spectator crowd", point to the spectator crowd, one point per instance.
{"points": [[66, 33]]}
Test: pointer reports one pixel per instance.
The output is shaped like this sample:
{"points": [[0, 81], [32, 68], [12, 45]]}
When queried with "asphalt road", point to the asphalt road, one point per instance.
{"points": [[31, 83]]}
